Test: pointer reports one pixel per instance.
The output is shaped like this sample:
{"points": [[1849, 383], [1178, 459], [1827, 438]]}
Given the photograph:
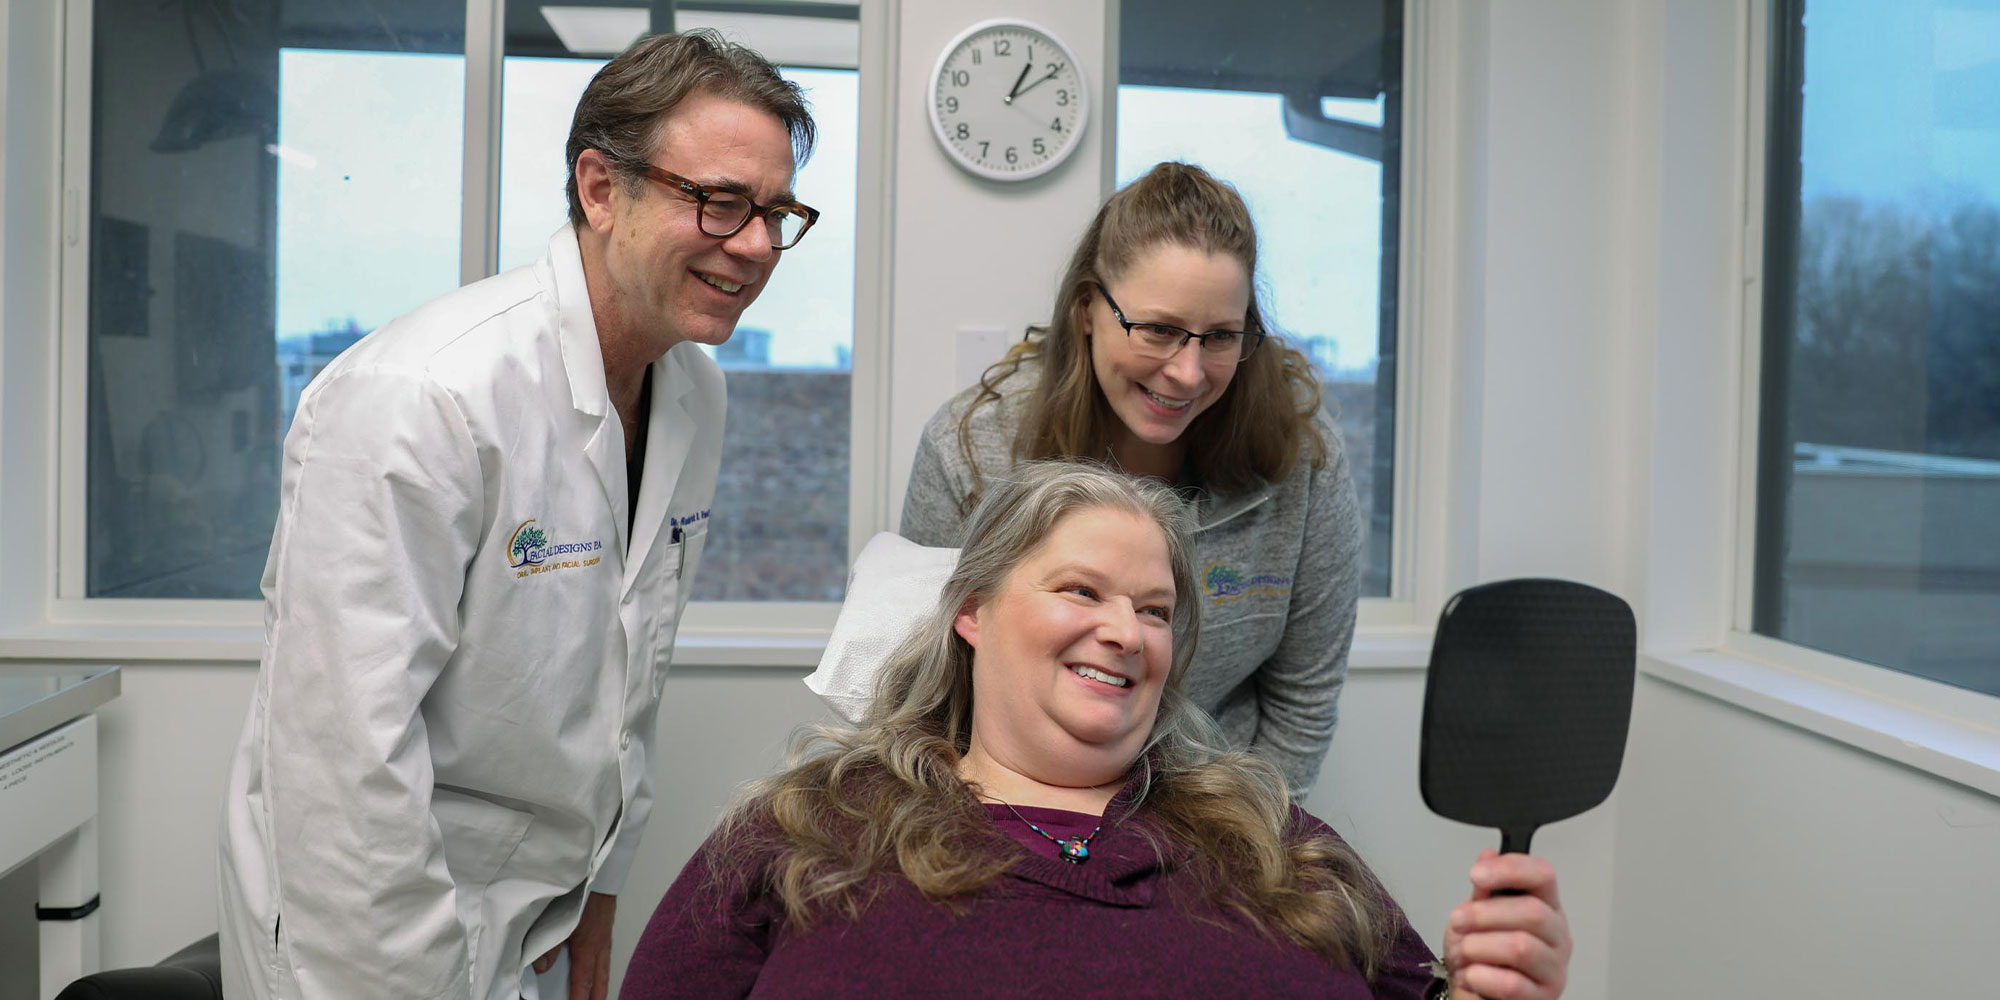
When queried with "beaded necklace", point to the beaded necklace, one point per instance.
{"points": [[1075, 850]]}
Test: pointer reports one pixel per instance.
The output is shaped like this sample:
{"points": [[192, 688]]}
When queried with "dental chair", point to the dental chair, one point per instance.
{"points": [[192, 973]]}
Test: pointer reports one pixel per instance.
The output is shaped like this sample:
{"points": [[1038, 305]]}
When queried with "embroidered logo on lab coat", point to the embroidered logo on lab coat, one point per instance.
{"points": [[529, 550], [1225, 584]]}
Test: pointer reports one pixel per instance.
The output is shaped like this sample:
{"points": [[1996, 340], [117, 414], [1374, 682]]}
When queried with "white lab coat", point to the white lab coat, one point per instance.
{"points": [[450, 737]]}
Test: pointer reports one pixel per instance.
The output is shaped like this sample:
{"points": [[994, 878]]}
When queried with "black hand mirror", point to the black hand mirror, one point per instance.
{"points": [[1527, 704]]}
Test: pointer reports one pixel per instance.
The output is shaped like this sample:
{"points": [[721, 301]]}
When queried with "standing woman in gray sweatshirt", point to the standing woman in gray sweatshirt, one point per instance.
{"points": [[1156, 361]]}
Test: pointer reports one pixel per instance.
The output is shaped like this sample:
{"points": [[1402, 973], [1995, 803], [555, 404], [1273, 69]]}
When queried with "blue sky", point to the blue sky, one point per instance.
{"points": [[1928, 134], [370, 153]]}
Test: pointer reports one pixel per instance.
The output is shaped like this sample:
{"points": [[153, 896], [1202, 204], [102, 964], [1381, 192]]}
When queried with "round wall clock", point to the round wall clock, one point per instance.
{"points": [[1008, 100]]}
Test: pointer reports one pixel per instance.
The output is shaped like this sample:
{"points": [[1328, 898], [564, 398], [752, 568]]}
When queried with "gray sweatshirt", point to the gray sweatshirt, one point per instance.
{"points": [[1279, 566]]}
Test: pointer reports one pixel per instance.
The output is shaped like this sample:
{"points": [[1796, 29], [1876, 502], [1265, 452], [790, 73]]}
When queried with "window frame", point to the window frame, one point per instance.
{"points": [[1427, 342], [1708, 643], [724, 633]]}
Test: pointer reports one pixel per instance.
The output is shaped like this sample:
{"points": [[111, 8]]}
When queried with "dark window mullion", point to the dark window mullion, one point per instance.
{"points": [[1783, 173]]}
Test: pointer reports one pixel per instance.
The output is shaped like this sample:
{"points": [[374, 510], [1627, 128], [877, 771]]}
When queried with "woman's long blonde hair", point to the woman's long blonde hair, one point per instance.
{"points": [[856, 808], [1264, 420]]}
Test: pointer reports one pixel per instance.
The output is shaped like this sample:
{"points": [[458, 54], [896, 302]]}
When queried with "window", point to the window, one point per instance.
{"points": [[1879, 454], [271, 181], [1300, 107], [266, 183]]}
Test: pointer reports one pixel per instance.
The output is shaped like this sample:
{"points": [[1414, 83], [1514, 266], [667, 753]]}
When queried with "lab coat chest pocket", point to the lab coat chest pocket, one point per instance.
{"points": [[694, 539], [678, 576], [479, 837]]}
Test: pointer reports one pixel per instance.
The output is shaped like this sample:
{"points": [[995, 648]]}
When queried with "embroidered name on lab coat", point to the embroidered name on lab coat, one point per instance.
{"points": [[680, 524]]}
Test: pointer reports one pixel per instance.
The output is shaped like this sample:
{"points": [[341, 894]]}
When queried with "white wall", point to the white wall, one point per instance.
{"points": [[971, 252], [1758, 860], [25, 299]]}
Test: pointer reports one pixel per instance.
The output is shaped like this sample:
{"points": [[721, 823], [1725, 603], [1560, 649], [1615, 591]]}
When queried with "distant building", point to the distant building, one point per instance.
{"points": [[302, 357], [1324, 352], [748, 347]]}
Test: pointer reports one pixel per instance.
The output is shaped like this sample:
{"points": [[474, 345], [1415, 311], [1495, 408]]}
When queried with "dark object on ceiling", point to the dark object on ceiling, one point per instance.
{"points": [[220, 104]]}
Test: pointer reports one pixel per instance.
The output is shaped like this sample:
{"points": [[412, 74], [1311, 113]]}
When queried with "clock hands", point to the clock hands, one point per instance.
{"points": [[1016, 89], [1019, 90]]}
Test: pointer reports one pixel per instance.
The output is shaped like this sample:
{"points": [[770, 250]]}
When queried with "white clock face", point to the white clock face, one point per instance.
{"points": [[1008, 101]]}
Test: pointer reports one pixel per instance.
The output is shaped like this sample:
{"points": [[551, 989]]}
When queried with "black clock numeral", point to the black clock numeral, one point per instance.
{"points": [[1055, 126], [1001, 47], [964, 131], [1062, 98], [1012, 155], [1031, 53], [951, 105], [975, 56], [960, 78], [1054, 68], [982, 148], [1040, 146]]}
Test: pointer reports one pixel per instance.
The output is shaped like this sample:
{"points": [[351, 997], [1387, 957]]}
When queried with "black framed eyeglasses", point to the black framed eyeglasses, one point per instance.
{"points": [[723, 213], [1164, 340]]}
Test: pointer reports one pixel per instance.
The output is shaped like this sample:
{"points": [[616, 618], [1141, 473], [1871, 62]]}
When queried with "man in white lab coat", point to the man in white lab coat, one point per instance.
{"points": [[491, 511]]}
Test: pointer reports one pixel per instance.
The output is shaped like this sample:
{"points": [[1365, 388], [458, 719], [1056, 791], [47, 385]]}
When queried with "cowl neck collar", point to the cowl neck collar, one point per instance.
{"points": [[1125, 862]]}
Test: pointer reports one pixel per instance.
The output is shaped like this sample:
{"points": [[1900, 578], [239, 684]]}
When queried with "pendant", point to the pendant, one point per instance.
{"points": [[1075, 851]]}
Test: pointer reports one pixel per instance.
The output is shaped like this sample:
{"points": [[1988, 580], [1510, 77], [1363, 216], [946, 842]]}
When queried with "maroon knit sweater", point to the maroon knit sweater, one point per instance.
{"points": [[1110, 927]]}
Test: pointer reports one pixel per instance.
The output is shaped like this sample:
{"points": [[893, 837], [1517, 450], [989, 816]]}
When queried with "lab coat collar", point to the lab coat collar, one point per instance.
{"points": [[583, 356], [668, 434], [583, 363]]}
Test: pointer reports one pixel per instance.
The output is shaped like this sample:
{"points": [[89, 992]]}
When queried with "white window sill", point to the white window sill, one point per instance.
{"points": [[1938, 738], [138, 644], [123, 644]]}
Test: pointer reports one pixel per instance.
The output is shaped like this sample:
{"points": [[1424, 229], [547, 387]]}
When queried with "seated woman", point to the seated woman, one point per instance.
{"points": [[1034, 807]]}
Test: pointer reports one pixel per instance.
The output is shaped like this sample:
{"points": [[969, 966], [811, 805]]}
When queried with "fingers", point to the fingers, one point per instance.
{"points": [[1487, 982], [589, 968], [1502, 914], [1523, 872], [590, 973], [1518, 952], [548, 961], [602, 976], [1510, 947], [590, 949]]}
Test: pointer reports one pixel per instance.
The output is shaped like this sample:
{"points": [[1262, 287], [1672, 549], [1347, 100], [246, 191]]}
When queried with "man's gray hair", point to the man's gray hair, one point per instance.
{"points": [[621, 112]]}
